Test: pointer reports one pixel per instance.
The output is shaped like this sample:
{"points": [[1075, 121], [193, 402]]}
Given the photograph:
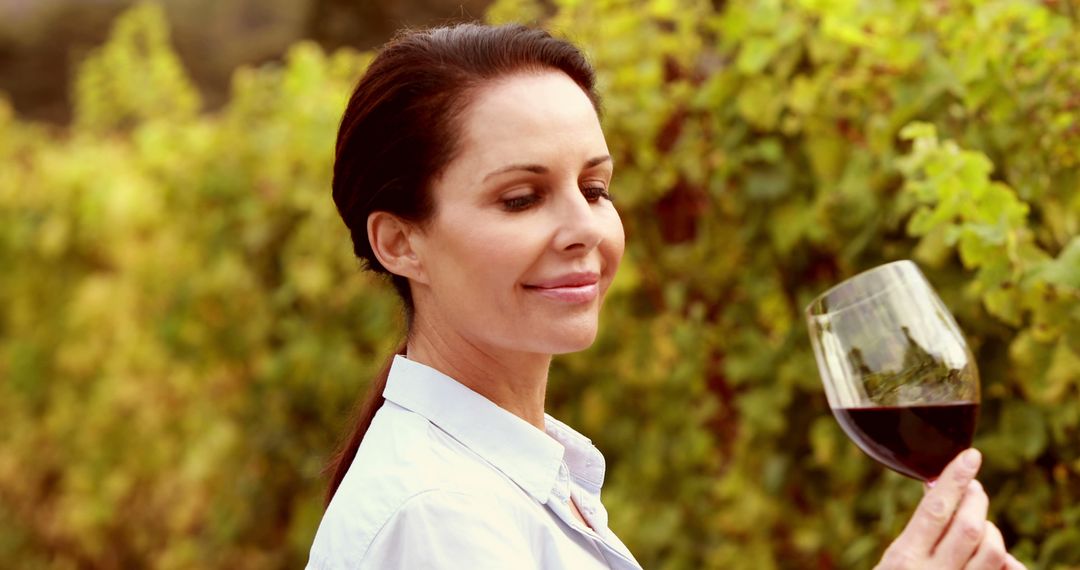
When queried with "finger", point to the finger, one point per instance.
{"points": [[897, 557], [991, 553], [966, 531], [932, 516]]}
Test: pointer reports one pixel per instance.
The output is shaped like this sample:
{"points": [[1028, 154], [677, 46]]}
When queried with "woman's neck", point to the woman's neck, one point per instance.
{"points": [[515, 381]]}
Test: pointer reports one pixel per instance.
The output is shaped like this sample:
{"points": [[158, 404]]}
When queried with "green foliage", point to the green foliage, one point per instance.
{"points": [[183, 329], [182, 326], [135, 77]]}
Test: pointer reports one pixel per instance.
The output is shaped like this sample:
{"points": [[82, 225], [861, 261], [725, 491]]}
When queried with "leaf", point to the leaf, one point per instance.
{"points": [[756, 53], [1025, 429], [1064, 271], [1061, 548]]}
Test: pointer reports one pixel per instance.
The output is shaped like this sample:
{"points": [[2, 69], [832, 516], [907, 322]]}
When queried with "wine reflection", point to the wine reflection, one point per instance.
{"points": [[923, 376]]}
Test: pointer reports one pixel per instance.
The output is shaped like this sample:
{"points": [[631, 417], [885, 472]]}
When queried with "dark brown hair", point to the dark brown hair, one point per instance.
{"points": [[402, 128]]}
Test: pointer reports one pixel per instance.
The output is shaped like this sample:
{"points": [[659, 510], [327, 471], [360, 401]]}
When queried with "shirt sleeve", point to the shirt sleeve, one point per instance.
{"points": [[442, 529]]}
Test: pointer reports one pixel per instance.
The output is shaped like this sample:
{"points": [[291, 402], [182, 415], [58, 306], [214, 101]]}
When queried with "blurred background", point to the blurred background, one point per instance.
{"points": [[184, 332], [43, 41]]}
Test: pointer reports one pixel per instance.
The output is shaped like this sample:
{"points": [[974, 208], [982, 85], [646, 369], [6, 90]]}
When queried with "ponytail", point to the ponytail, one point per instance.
{"points": [[364, 413]]}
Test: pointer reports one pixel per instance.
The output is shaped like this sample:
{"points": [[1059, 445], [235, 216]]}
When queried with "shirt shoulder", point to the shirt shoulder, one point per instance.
{"points": [[407, 470], [444, 529]]}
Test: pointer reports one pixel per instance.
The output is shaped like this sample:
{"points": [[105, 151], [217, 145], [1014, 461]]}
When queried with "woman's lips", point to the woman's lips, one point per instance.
{"points": [[571, 294], [576, 287]]}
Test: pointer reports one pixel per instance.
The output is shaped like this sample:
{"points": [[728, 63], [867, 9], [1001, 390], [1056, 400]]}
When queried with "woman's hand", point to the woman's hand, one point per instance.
{"points": [[949, 529]]}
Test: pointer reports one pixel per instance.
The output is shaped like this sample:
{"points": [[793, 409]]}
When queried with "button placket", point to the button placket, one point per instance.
{"points": [[562, 485]]}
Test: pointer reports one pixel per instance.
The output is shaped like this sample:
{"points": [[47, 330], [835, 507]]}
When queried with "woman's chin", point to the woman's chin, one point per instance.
{"points": [[546, 334], [573, 341]]}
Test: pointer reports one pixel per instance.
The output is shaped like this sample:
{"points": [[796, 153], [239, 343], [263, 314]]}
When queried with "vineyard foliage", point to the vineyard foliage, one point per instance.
{"points": [[183, 329]]}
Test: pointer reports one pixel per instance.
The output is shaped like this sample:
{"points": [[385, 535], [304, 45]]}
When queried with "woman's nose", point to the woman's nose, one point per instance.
{"points": [[578, 227]]}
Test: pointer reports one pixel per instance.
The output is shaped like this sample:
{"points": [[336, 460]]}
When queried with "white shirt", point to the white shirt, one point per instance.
{"points": [[447, 479]]}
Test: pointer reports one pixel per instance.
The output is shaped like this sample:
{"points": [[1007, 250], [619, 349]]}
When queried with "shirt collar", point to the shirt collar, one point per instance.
{"points": [[528, 456], [585, 462]]}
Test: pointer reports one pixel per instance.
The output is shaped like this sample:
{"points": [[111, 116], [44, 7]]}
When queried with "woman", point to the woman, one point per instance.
{"points": [[471, 168]]}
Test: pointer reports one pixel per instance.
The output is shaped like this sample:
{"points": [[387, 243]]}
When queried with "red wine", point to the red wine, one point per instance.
{"points": [[917, 441]]}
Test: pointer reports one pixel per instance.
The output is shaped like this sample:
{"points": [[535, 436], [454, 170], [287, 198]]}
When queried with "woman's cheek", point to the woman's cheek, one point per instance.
{"points": [[616, 244]]}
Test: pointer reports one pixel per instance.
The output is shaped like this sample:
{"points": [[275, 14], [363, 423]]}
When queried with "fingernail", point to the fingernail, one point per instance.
{"points": [[972, 458]]}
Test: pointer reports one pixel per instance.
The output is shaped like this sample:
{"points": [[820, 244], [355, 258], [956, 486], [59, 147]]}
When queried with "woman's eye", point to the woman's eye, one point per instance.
{"points": [[594, 193], [520, 202]]}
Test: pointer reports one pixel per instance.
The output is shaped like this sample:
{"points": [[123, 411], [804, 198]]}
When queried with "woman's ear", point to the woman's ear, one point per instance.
{"points": [[391, 240]]}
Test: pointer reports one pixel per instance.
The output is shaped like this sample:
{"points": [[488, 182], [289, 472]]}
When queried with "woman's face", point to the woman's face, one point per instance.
{"points": [[524, 241]]}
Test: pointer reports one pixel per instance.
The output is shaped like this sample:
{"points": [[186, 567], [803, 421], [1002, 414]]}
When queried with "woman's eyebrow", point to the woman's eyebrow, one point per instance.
{"points": [[598, 160], [539, 169], [535, 168]]}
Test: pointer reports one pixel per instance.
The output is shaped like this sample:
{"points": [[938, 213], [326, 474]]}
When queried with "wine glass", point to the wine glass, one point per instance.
{"points": [[898, 374]]}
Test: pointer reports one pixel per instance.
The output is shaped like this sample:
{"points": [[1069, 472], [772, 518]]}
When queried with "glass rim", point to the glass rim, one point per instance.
{"points": [[847, 282]]}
